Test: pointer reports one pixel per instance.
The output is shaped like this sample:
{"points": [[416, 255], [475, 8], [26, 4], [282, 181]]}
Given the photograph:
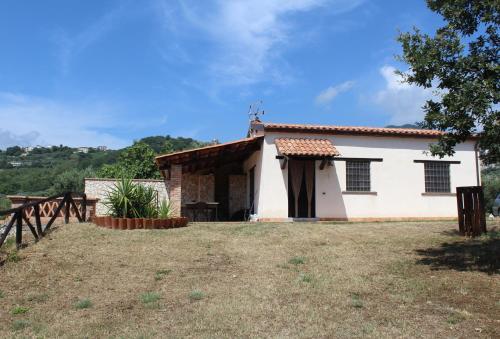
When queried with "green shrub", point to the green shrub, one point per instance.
{"points": [[196, 295], [84, 303], [19, 310]]}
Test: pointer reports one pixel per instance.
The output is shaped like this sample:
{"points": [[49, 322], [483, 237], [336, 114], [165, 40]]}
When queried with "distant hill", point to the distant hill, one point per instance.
{"points": [[414, 126], [33, 171]]}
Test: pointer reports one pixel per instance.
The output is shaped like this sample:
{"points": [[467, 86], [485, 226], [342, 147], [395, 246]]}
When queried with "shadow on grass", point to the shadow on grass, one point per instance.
{"points": [[481, 254]]}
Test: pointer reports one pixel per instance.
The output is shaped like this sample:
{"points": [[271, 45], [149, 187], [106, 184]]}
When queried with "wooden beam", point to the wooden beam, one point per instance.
{"points": [[38, 221], [323, 164], [283, 163], [32, 229]]}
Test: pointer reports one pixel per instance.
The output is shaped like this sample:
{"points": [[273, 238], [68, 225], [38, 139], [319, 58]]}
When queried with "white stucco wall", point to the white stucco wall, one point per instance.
{"points": [[98, 188], [397, 180], [255, 160]]}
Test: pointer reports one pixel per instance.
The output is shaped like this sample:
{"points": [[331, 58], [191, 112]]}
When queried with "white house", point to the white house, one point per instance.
{"points": [[291, 172]]}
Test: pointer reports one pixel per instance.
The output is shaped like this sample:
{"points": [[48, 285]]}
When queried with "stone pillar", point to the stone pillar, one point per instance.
{"points": [[175, 189]]}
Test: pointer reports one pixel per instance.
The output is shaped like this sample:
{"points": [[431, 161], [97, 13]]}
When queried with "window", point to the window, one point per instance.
{"points": [[437, 177], [358, 176]]}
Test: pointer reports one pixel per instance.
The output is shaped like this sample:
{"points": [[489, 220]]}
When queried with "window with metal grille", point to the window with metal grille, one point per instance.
{"points": [[437, 177], [358, 176]]}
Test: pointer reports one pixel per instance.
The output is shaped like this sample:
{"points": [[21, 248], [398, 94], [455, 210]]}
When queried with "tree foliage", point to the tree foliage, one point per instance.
{"points": [[136, 162], [461, 60], [491, 184], [72, 180]]}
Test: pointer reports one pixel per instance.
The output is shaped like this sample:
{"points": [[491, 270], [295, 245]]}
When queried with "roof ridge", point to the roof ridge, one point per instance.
{"points": [[354, 129]]}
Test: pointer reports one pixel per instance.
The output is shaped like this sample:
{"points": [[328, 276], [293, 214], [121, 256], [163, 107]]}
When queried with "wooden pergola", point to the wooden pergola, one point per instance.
{"points": [[210, 157]]}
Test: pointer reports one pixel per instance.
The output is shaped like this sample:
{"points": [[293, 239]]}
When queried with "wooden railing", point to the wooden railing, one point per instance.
{"points": [[51, 208]]}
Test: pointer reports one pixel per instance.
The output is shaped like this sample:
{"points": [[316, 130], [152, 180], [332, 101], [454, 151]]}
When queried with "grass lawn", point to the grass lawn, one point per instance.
{"points": [[416, 279]]}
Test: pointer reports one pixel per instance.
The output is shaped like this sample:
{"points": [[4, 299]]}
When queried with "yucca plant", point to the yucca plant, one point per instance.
{"points": [[120, 198], [165, 209], [145, 205], [129, 200]]}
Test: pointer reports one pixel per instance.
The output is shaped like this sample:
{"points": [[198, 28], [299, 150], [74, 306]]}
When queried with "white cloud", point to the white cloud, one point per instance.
{"points": [[402, 101], [69, 46], [326, 96], [31, 120], [249, 35]]}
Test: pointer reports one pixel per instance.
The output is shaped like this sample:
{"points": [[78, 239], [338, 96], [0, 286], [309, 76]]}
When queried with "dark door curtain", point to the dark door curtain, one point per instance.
{"points": [[309, 172], [296, 171], [301, 179]]}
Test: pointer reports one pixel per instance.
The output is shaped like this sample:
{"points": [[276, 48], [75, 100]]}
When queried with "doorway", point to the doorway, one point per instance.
{"points": [[301, 189]]}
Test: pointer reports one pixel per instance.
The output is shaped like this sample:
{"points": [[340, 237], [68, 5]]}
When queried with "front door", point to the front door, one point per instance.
{"points": [[301, 188]]}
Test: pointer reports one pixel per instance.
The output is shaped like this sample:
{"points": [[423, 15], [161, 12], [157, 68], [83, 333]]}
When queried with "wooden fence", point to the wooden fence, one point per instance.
{"points": [[32, 212], [471, 213]]}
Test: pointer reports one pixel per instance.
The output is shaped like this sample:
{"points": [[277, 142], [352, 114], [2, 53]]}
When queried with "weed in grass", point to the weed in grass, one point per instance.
{"points": [[1, 294], [78, 279], [297, 261], [490, 235], [39, 298], [455, 318], [368, 328], [19, 310], [83, 304], [283, 266], [196, 295], [19, 324], [150, 297], [160, 274], [356, 301], [305, 277], [13, 257], [9, 242]]}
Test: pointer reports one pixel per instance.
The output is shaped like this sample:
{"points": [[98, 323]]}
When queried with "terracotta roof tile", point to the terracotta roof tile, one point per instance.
{"points": [[331, 129], [306, 147]]}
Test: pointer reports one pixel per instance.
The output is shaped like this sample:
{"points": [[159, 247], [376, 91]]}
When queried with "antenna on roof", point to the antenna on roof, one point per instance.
{"points": [[255, 111]]}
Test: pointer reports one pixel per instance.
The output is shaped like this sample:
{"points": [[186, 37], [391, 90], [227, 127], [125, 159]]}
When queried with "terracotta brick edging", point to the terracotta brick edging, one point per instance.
{"points": [[139, 223]]}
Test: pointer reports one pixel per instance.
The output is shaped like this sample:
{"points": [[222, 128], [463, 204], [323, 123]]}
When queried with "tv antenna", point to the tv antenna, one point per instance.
{"points": [[255, 110]]}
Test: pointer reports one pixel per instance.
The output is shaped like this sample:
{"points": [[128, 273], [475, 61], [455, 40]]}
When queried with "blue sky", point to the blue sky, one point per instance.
{"points": [[108, 72]]}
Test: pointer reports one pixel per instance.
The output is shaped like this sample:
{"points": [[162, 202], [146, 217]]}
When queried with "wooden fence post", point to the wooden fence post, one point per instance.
{"points": [[84, 207], [19, 229], [67, 206], [38, 221]]}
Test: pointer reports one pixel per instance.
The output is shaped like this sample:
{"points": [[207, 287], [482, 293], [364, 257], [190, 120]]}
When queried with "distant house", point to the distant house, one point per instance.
{"points": [[15, 163], [83, 149], [294, 172], [102, 148]]}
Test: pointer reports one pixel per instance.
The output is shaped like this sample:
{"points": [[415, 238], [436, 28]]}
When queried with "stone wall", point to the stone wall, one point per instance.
{"points": [[98, 188]]}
